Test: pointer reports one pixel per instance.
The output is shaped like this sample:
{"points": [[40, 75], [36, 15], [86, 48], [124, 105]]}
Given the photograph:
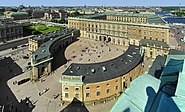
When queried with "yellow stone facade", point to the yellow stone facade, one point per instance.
{"points": [[93, 93], [123, 31]]}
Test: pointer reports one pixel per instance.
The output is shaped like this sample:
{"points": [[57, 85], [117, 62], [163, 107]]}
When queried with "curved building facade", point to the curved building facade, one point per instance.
{"points": [[99, 82], [41, 60]]}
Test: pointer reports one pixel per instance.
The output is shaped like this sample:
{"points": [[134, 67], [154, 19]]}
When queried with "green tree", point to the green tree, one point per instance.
{"points": [[35, 32], [74, 14]]}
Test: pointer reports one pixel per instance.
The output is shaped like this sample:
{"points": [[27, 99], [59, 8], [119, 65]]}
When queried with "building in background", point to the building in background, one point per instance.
{"points": [[37, 14], [18, 15], [10, 30], [149, 31], [58, 14]]}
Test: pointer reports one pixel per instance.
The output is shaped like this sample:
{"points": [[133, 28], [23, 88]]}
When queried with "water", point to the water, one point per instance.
{"points": [[175, 20], [168, 17], [161, 13]]}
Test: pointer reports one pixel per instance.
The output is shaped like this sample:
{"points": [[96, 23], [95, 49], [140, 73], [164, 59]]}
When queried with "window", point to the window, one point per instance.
{"points": [[87, 94], [77, 88], [66, 88], [144, 32], [107, 84], [77, 95], [130, 78], [162, 34], [124, 84], [108, 91], [97, 86], [116, 81], [98, 93], [139, 32], [156, 33], [66, 95], [87, 88], [163, 40], [116, 87]]}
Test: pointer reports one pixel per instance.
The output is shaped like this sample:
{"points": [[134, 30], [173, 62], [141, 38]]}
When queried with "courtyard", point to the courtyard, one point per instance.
{"points": [[45, 94]]}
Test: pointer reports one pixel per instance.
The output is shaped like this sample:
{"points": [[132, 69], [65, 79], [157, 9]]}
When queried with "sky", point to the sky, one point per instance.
{"points": [[93, 2]]}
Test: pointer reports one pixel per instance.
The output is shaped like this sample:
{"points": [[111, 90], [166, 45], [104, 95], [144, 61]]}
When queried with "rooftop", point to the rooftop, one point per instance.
{"points": [[166, 94], [7, 23], [18, 13], [151, 19], [43, 52], [102, 71]]}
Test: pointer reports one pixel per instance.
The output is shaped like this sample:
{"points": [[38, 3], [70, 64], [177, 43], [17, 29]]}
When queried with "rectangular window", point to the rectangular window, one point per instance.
{"points": [[162, 34], [98, 93], [108, 91], [66, 95], [77, 95], [116, 87], [139, 32], [97, 86], [130, 78], [107, 84], [124, 84], [116, 81], [66, 88], [87, 94], [144, 32]]}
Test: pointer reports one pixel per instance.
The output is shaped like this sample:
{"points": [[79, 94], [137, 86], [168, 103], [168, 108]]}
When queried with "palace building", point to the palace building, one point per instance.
{"points": [[100, 82], [149, 31], [10, 30], [45, 47]]}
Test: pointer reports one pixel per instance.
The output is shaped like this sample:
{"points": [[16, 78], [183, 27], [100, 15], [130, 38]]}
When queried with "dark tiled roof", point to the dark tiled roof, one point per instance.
{"points": [[97, 72], [43, 52]]}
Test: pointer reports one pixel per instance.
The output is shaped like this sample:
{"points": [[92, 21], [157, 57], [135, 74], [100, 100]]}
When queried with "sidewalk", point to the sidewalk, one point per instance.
{"points": [[14, 40]]}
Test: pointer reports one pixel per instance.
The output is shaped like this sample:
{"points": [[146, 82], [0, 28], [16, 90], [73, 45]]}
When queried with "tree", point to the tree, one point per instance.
{"points": [[35, 32], [74, 14]]}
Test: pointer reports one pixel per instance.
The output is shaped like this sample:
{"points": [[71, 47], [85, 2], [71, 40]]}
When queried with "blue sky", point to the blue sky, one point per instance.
{"points": [[93, 2]]}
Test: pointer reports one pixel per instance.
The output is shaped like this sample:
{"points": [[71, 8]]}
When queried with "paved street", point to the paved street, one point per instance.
{"points": [[14, 43], [82, 51]]}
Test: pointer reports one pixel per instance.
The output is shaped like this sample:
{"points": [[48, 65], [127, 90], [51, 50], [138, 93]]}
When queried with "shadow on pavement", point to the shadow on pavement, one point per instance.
{"points": [[8, 101]]}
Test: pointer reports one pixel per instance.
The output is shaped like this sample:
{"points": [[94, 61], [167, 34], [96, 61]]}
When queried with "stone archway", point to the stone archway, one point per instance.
{"points": [[118, 42], [100, 38], [104, 38], [109, 39]]}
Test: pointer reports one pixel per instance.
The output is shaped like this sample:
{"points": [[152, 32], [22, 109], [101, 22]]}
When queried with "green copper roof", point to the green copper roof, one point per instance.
{"points": [[149, 94], [151, 19], [116, 22], [43, 52], [18, 13], [146, 42]]}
